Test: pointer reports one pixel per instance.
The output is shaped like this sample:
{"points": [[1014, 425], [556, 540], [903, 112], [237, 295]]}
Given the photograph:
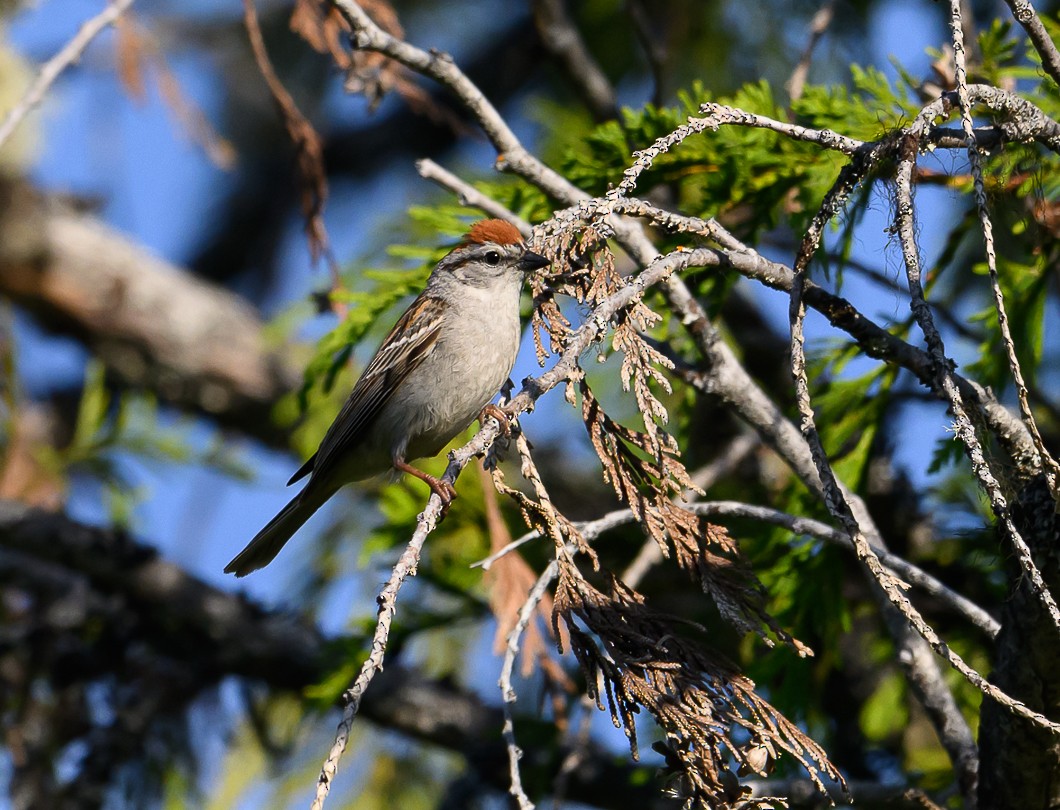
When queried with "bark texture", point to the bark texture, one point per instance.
{"points": [[1022, 761]]}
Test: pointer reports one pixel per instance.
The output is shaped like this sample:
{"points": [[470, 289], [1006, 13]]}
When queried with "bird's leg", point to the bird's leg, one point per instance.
{"points": [[497, 413], [443, 489]]}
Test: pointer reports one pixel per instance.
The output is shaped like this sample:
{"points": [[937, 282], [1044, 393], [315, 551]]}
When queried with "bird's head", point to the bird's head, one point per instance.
{"points": [[492, 252]]}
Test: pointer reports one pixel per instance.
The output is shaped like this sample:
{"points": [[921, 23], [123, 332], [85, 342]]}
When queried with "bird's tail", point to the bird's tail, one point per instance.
{"points": [[267, 543]]}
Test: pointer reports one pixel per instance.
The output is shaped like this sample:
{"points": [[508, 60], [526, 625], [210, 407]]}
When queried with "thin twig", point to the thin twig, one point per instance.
{"points": [[818, 26], [308, 148], [486, 562], [405, 567], [67, 55], [729, 459], [717, 115], [902, 568], [1049, 464], [1025, 15], [469, 195], [836, 499], [508, 697], [953, 730], [963, 426], [562, 39], [882, 278]]}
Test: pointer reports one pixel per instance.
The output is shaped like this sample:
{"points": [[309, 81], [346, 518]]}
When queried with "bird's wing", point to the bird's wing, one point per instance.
{"points": [[412, 339]]}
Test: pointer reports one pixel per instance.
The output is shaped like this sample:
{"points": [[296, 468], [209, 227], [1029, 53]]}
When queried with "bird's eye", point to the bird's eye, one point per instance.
{"points": [[493, 258]]}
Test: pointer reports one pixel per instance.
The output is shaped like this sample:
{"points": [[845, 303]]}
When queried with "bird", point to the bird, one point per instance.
{"points": [[436, 371]]}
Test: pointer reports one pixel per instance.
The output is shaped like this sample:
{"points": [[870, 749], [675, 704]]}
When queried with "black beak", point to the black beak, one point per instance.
{"points": [[531, 261]]}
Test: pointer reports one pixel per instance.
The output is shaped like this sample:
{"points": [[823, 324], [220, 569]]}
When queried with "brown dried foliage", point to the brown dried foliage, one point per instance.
{"points": [[140, 55], [540, 515], [630, 655], [308, 146], [590, 279], [644, 467], [23, 475], [323, 28], [652, 487], [509, 579], [633, 658], [368, 73]]}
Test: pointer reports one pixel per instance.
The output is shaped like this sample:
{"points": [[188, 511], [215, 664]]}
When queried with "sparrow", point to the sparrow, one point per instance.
{"points": [[445, 359]]}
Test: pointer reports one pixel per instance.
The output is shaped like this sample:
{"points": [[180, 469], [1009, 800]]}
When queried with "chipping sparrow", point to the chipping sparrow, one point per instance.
{"points": [[434, 373]]}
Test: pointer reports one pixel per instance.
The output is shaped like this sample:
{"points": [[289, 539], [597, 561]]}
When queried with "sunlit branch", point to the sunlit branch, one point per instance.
{"points": [[67, 55]]}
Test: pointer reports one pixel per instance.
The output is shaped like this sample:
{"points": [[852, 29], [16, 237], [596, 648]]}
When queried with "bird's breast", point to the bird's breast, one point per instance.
{"points": [[464, 372]]}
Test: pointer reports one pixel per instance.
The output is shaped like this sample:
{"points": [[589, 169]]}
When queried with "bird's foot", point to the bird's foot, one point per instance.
{"points": [[496, 412], [445, 491]]}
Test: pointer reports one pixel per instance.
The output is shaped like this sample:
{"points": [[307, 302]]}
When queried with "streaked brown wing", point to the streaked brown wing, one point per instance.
{"points": [[413, 337]]}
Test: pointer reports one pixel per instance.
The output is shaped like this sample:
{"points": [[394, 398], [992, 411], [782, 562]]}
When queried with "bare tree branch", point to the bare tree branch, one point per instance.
{"points": [[175, 613], [562, 39], [1049, 464], [67, 55], [1025, 15], [405, 567], [942, 364], [153, 325], [818, 26], [469, 195], [526, 615]]}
